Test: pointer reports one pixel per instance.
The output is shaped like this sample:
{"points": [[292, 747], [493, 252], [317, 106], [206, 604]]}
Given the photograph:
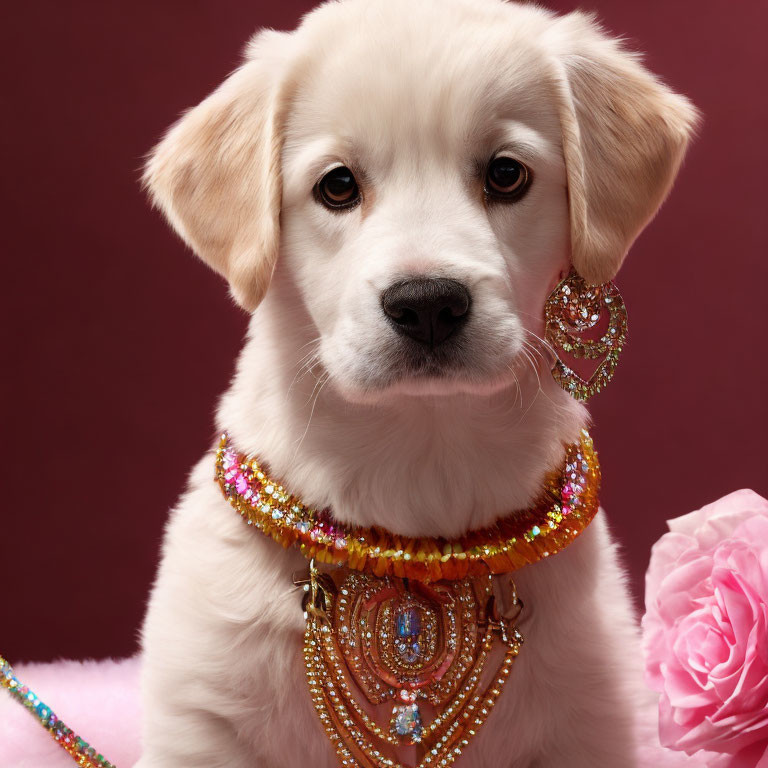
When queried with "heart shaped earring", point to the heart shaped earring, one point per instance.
{"points": [[584, 321]]}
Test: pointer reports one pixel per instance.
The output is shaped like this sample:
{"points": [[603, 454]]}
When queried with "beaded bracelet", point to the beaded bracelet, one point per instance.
{"points": [[81, 751]]}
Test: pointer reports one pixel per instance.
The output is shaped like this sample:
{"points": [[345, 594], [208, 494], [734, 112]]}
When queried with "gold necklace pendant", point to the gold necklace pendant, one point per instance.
{"points": [[409, 624], [376, 640]]}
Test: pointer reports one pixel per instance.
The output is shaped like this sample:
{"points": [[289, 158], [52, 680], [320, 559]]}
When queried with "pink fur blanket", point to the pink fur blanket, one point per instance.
{"points": [[99, 700]]}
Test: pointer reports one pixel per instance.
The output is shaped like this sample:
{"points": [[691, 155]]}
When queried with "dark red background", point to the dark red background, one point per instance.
{"points": [[117, 342]]}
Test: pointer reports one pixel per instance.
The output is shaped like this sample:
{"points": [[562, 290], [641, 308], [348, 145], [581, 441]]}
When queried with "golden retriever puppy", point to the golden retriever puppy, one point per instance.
{"points": [[474, 149]]}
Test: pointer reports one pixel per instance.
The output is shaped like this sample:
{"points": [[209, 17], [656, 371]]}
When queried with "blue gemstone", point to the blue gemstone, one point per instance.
{"points": [[408, 621]]}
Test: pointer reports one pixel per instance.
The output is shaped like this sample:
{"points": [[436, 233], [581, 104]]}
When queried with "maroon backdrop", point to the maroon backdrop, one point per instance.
{"points": [[117, 341]]}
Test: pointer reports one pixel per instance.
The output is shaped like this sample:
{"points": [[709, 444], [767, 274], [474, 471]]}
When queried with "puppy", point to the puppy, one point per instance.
{"points": [[360, 153]]}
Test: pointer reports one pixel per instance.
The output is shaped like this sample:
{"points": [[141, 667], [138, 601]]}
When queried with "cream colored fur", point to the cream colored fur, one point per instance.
{"points": [[414, 98]]}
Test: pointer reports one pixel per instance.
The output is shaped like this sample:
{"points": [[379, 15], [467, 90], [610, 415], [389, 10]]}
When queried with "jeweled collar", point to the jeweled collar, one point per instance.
{"points": [[567, 504]]}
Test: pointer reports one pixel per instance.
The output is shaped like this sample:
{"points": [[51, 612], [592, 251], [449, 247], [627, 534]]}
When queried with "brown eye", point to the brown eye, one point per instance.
{"points": [[506, 179], [338, 189]]}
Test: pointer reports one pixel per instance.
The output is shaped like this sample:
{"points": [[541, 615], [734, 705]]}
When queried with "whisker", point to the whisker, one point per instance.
{"points": [[535, 368], [518, 388], [311, 341], [544, 343], [305, 364], [302, 372], [533, 348], [322, 381]]}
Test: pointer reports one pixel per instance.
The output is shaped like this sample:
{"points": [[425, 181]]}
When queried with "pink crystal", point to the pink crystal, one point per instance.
{"points": [[567, 509], [241, 484]]}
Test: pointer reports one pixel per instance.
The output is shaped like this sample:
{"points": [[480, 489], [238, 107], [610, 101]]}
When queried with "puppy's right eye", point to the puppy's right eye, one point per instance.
{"points": [[338, 189]]}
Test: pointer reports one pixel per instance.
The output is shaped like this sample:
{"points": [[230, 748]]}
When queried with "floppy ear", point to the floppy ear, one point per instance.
{"points": [[624, 136], [216, 174]]}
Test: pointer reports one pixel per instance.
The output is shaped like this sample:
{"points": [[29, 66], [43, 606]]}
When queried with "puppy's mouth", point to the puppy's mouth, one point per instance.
{"points": [[457, 366], [413, 360]]}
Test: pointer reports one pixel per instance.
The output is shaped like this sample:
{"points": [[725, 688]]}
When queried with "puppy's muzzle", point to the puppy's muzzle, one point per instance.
{"points": [[428, 310]]}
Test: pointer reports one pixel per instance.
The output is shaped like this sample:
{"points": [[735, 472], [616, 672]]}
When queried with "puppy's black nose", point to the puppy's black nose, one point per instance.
{"points": [[426, 309]]}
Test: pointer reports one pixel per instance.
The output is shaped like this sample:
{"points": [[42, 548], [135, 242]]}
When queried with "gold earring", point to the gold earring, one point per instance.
{"points": [[574, 314]]}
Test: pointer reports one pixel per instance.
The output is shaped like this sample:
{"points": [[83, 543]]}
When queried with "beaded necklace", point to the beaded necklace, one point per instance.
{"points": [[407, 625], [567, 504]]}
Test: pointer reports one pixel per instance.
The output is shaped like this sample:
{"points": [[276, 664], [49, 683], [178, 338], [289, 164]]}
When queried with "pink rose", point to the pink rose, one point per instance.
{"points": [[706, 631]]}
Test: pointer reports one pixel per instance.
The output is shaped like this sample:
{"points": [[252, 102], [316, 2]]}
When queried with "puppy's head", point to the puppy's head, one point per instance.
{"points": [[422, 173]]}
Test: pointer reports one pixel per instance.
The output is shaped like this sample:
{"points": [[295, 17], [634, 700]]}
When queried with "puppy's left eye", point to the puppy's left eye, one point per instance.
{"points": [[506, 179], [338, 189]]}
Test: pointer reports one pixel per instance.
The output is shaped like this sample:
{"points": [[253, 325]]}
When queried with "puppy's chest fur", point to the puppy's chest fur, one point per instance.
{"points": [[224, 601]]}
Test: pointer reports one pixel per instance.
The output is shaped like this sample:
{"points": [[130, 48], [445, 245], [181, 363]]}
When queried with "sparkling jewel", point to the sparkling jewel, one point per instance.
{"points": [[407, 722], [408, 621], [409, 651]]}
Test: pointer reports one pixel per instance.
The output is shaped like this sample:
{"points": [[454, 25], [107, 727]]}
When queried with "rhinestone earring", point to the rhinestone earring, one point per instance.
{"points": [[584, 321]]}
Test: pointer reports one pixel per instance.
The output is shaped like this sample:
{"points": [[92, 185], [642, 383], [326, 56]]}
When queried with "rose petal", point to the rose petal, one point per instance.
{"points": [[718, 520]]}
